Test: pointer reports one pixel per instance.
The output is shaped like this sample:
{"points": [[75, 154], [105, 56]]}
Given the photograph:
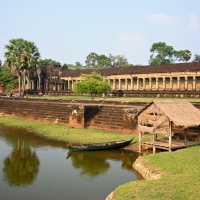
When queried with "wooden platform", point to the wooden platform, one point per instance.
{"points": [[164, 144]]}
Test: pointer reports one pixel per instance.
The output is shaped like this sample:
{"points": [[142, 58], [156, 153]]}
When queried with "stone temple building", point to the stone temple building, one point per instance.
{"points": [[170, 80]]}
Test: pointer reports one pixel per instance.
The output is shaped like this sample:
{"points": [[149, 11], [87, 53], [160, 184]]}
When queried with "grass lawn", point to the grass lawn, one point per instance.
{"points": [[130, 99], [64, 133], [181, 183]]}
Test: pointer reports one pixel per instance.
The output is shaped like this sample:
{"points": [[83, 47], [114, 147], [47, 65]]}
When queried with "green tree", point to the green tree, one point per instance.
{"points": [[7, 79], [77, 66], [183, 55], [92, 84], [92, 60], [48, 62], [196, 58], [22, 56], [104, 62], [161, 54], [164, 54], [118, 61]]}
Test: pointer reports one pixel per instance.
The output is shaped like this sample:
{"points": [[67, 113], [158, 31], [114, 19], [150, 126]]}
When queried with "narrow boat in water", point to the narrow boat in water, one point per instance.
{"points": [[100, 146]]}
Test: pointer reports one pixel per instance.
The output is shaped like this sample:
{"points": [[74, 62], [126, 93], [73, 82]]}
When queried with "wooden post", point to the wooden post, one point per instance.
{"points": [[154, 148], [185, 137], [140, 141], [170, 136]]}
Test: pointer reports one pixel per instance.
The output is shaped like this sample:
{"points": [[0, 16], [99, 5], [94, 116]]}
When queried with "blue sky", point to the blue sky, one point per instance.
{"points": [[68, 30]]}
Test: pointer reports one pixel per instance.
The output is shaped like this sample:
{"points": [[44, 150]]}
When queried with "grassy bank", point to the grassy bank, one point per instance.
{"points": [[182, 181], [64, 133], [130, 99]]}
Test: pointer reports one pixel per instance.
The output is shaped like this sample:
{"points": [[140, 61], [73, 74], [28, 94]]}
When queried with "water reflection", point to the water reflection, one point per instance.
{"points": [[94, 163], [91, 164], [30, 163], [21, 166]]}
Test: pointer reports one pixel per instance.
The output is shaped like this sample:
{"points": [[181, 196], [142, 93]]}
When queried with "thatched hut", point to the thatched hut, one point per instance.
{"points": [[168, 117]]}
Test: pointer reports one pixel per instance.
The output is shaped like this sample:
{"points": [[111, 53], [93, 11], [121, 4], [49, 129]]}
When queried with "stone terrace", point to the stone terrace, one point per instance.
{"points": [[110, 116]]}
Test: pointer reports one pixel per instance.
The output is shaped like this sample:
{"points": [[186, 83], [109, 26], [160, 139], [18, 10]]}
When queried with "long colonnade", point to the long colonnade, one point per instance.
{"points": [[128, 83]]}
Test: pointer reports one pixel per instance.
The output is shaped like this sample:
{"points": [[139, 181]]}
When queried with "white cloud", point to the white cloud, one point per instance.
{"points": [[127, 41], [163, 18], [194, 23], [130, 45]]}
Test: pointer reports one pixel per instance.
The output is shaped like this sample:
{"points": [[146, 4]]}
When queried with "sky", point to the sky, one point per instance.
{"points": [[67, 31]]}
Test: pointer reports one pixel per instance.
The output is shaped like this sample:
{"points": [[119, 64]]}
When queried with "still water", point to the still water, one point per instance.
{"points": [[32, 167]]}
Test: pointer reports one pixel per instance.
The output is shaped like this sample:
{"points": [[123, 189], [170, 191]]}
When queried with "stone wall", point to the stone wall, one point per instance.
{"points": [[102, 115], [110, 116]]}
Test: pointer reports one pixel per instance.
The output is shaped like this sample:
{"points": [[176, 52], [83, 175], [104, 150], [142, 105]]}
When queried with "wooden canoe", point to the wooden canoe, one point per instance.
{"points": [[101, 146]]}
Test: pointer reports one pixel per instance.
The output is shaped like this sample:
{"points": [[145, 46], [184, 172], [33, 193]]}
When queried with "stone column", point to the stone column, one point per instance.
{"points": [[114, 84], [156, 83], [170, 86], [150, 83], [138, 87], [194, 82], [119, 84], [69, 85], [144, 84], [186, 83], [126, 84], [164, 84], [131, 83], [178, 83]]}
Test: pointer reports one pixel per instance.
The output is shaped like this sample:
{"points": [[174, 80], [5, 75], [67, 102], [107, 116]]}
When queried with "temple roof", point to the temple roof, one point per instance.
{"points": [[180, 67], [63, 71]]}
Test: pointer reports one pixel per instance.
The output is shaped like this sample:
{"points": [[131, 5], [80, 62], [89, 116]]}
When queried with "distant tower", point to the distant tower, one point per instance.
{"points": [[65, 66]]}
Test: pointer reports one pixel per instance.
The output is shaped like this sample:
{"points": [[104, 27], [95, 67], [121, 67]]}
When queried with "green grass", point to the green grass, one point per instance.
{"points": [[64, 133], [130, 99], [182, 181]]}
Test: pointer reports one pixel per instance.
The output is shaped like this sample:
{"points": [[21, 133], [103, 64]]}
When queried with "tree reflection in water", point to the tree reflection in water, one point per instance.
{"points": [[94, 163], [21, 166], [90, 164]]}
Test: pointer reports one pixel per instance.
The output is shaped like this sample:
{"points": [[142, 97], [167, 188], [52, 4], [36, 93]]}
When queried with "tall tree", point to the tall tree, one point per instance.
{"points": [[92, 60], [164, 54], [92, 84], [118, 61], [161, 54], [183, 55], [22, 56], [104, 61], [196, 58]]}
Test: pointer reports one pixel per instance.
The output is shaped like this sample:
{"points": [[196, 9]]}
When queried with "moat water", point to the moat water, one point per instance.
{"points": [[36, 168]]}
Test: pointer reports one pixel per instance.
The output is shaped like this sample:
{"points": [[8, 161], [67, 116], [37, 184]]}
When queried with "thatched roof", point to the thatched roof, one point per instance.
{"points": [[180, 112]]}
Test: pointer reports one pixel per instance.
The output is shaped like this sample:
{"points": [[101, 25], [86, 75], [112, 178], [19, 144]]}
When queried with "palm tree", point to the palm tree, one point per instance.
{"points": [[22, 56]]}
